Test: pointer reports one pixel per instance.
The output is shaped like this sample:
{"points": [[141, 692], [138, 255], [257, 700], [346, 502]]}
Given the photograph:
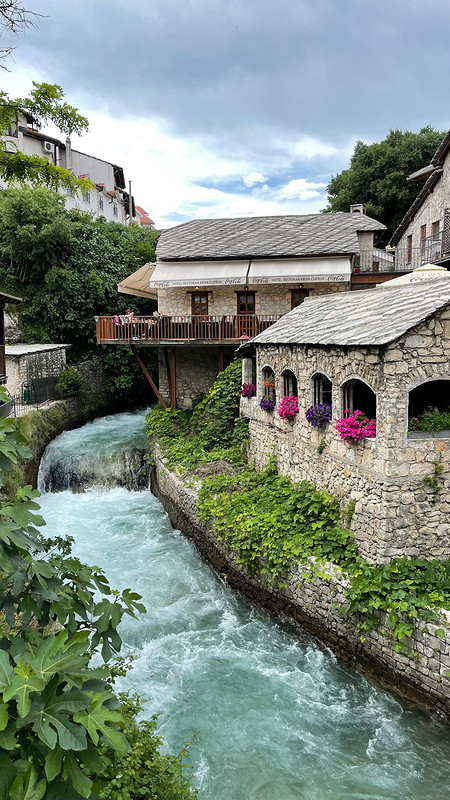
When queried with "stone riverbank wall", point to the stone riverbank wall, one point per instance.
{"points": [[312, 602]]}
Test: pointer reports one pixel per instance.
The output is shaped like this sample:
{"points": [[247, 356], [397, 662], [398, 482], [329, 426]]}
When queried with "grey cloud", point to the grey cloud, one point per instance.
{"points": [[225, 69]]}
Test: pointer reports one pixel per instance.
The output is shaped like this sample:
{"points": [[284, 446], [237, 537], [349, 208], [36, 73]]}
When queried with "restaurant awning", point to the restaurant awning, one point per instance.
{"points": [[138, 284], [305, 270], [200, 273]]}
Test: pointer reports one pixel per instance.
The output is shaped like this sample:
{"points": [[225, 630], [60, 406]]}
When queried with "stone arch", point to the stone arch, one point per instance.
{"points": [[268, 379], [358, 395], [321, 388], [429, 395], [290, 382]]}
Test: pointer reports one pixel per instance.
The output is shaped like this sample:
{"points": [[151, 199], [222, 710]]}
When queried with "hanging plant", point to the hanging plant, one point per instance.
{"points": [[356, 426], [319, 414], [288, 407], [268, 402]]}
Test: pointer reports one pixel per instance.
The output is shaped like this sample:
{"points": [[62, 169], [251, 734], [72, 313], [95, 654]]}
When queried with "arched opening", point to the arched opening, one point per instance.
{"points": [[429, 406], [358, 396], [322, 389], [290, 384], [431, 396], [268, 381]]}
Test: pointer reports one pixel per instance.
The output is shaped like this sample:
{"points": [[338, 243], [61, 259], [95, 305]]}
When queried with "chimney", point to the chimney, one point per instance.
{"points": [[68, 154], [358, 208]]}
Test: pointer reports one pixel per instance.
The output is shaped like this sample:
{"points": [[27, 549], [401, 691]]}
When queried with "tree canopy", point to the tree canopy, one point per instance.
{"points": [[66, 267], [378, 172], [45, 102]]}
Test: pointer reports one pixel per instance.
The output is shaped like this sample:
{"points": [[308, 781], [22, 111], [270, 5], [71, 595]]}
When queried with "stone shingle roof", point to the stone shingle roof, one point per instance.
{"points": [[265, 237], [371, 317]]}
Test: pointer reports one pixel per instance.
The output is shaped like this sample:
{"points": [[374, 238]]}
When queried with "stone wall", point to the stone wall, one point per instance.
{"points": [[29, 362], [396, 514], [421, 672], [271, 299], [196, 371], [431, 210]]}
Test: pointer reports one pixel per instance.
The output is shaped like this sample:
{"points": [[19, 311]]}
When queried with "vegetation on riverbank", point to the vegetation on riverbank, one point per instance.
{"points": [[211, 432], [271, 522], [65, 265], [63, 730]]}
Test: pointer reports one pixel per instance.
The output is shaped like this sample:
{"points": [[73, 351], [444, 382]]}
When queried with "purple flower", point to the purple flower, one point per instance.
{"points": [[268, 402], [319, 414]]}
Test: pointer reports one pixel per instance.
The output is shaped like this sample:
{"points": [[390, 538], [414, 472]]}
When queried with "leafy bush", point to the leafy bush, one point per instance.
{"points": [[61, 725], [69, 382], [432, 421], [213, 431]]}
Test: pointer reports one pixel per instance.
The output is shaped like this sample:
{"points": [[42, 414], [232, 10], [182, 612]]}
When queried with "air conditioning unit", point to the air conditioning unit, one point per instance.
{"points": [[47, 147], [10, 147]]}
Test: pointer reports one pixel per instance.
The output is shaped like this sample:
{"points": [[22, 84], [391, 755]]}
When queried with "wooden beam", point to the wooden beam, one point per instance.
{"points": [[147, 375], [220, 359], [173, 375]]}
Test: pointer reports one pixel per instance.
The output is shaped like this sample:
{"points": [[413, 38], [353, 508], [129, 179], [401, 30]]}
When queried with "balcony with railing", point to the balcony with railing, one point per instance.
{"points": [[160, 330], [402, 260]]}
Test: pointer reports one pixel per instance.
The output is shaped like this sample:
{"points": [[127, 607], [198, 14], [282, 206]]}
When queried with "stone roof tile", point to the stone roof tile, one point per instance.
{"points": [[265, 237], [371, 317]]}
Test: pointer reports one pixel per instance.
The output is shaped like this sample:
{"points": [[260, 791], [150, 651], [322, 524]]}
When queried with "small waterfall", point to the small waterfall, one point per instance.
{"points": [[104, 462]]}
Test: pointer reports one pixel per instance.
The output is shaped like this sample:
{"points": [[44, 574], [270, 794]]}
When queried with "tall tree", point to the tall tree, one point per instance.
{"points": [[378, 172], [45, 102]]}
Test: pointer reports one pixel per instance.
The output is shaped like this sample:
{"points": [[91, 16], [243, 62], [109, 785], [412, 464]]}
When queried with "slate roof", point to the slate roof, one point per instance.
{"points": [[371, 317], [265, 237]]}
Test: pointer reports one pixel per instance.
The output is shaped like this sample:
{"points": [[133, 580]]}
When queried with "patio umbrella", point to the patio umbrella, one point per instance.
{"points": [[423, 274]]}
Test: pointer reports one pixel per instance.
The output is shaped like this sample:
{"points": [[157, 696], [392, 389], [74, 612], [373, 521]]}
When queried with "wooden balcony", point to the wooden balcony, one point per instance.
{"points": [[183, 329]]}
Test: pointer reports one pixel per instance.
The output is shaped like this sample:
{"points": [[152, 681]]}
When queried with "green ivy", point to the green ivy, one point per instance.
{"points": [[213, 431]]}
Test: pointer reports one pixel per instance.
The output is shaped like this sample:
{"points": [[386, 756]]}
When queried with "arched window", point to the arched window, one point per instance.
{"points": [[290, 384], [322, 389], [268, 378], [431, 396], [358, 396]]}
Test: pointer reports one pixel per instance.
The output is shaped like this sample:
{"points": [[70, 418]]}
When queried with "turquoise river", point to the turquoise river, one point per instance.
{"points": [[271, 714]]}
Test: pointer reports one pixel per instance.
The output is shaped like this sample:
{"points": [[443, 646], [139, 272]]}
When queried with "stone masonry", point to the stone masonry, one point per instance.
{"points": [[312, 602], [396, 514]]}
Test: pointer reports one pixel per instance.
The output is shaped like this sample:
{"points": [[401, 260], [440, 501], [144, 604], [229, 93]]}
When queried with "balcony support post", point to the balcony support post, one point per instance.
{"points": [[147, 375], [220, 359], [173, 374]]}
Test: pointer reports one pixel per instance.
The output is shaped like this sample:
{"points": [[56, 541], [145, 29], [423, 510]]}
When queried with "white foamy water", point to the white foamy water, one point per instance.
{"points": [[273, 715]]}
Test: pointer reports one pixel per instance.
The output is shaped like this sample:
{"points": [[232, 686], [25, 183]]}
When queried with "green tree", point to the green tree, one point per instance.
{"points": [[66, 267], [45, 102], [61, 725], [378, 172]]}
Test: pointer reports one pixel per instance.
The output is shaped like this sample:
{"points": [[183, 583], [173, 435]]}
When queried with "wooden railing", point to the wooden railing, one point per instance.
{"points": [[182, 328]]}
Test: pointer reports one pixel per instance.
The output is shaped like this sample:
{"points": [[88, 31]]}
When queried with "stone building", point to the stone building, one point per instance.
{"points": [[387, 354], [32, 369], [222, 281], [424, 232]]}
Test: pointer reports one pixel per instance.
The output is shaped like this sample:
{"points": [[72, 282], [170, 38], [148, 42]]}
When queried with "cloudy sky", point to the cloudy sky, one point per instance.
{"points": [[238, 107]]}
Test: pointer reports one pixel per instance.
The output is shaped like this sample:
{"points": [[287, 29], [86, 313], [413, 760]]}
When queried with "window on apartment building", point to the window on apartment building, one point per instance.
{"points": [[297, 296], [115, 211], [87, 197], [199, 303], [12, 129], [322, 389], [409, 249], [423, 236], [100, 203], [70, 193], [435, 230]]}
